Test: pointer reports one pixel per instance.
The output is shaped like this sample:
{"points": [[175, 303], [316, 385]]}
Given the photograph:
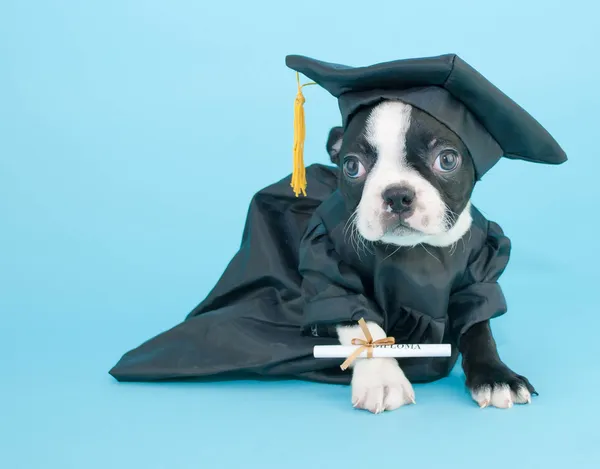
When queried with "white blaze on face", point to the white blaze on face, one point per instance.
{"points": [[386, 131]]}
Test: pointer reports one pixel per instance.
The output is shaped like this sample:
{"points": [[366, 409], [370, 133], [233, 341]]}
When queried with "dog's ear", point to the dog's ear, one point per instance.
{"points": [[334, 144]]}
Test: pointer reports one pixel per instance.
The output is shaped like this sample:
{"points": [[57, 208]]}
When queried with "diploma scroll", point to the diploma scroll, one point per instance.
{"points": [[383, 351], [384, 347]]}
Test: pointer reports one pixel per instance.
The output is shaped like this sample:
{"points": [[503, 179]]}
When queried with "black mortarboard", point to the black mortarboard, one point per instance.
{"points": [[490, 124]]}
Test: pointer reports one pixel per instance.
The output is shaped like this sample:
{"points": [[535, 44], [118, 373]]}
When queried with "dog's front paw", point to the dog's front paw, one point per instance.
{"points": [[379, 384], [497, 385]]}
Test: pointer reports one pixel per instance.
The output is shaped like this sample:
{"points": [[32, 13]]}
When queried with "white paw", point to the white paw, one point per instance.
{"points": [[379, 384], [501, 396]]}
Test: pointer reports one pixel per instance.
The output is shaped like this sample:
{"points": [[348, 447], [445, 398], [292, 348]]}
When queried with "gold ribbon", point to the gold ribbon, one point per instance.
{"points": [[368, 344], [299, 171]]}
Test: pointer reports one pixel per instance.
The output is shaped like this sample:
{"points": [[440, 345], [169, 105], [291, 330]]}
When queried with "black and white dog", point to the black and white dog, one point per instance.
{"points": [[409, 179]]}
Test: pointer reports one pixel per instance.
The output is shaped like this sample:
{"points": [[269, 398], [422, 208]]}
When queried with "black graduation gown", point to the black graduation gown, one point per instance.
{"points": [[296, 271]]}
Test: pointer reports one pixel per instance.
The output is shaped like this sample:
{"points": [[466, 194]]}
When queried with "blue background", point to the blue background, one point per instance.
{"points": [[132, 136]]}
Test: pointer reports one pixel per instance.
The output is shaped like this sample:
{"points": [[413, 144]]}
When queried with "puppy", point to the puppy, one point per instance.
{"points": [[408, 180]]}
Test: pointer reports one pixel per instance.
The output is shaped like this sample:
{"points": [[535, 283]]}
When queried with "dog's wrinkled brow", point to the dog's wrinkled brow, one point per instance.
{"points": [[362, 146]]}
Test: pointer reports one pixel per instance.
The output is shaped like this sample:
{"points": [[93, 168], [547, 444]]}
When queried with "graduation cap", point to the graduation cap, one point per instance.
{"points": [[490, 124]]}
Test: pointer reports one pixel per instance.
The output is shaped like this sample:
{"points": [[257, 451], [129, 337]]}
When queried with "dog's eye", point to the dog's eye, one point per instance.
{"points": [[353, 168], [447, 161]]}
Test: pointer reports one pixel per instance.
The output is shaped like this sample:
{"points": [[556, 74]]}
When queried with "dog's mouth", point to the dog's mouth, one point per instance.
{"points": [[403, 229], [395, 226]]}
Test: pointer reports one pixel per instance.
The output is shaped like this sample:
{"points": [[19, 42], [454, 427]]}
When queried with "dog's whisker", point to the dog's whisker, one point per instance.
{"points": [[450, 218], [359, 244], [453, 247], [355, 237], [364, 242], [349, 230], [393, 252], [355, 244], [427, 251], [463, 240], [350, 221]]}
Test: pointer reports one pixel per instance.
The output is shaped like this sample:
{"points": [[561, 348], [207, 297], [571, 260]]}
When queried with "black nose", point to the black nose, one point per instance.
{"points": [[399, 199]]}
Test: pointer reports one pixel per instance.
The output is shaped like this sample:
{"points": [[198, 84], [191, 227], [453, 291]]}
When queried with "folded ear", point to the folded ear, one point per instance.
{"points": [[334, 144]]}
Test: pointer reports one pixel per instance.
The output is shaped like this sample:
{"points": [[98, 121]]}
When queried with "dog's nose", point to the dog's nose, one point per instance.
{"points": [[399, 199]]}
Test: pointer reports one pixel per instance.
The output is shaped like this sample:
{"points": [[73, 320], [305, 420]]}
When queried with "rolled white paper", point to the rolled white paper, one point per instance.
{"points": [[384, 351]]}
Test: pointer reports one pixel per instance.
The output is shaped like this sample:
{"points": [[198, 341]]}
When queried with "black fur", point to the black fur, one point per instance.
{"points": [[333, 144], [456, 187], [482, 364]]}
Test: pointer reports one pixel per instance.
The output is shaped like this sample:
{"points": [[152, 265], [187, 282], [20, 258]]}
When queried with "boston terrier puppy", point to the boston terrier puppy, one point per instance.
{"points": [[407, 179]]}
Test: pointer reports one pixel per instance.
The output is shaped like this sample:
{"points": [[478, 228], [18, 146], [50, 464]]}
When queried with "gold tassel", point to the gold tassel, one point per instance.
{"points": [[299, 170]]}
